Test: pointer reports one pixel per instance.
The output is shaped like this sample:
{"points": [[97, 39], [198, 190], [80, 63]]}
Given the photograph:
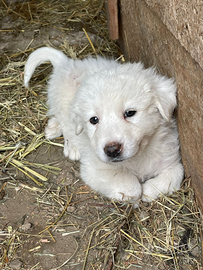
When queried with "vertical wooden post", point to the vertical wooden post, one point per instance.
{"points": [[112, 17]]}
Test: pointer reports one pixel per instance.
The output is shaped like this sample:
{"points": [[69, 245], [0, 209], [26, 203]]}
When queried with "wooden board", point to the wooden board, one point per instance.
{"points": [[112, 17], [144, 37]]}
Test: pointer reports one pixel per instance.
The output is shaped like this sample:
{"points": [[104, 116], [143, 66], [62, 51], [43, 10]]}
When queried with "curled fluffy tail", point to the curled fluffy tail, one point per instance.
{"points": [[40, 56]]}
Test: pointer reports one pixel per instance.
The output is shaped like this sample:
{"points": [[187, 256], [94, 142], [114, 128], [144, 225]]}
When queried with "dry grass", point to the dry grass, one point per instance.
{"points": [[165, 233], [23, 112]]}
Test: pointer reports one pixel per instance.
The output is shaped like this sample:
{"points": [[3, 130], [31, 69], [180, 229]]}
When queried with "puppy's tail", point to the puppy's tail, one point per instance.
{"points": [[40, 56]]}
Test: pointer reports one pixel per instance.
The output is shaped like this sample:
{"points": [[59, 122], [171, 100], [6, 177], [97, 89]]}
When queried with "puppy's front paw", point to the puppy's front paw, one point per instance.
{"points": [[154, 188], [165, 183], [149, 192], [71, 151], [53, 129], [133, 198]]}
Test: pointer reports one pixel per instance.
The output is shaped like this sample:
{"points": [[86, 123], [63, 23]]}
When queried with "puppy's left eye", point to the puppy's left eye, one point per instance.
{"points": [[94, 120], [129, 113]]}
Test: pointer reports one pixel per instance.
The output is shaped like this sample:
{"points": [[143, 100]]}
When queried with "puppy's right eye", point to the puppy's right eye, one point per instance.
{"points": [[129, 113], [94, 120]]}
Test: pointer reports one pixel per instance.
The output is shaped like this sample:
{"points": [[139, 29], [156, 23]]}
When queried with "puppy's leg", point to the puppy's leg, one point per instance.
{"points": [[165, 183], [53, 129], [71, 142], [71, 150], [111, 181]]}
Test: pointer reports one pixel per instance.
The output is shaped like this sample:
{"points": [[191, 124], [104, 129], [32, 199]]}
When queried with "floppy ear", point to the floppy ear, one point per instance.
{"points": [[165, 97], [77, 77], [78, 128], [76, 121]]}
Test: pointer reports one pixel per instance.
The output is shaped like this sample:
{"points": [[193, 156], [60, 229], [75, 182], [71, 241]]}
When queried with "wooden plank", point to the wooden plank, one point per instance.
{"points": [[146, 38], [112, 17]]}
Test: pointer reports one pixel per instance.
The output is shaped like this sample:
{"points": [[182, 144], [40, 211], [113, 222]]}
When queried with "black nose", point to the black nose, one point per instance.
{"points": [[113, 149]]}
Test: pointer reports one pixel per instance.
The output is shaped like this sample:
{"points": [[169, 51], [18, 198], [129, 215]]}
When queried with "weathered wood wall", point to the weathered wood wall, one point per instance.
{"points": [[168, 34], [185, 20]]}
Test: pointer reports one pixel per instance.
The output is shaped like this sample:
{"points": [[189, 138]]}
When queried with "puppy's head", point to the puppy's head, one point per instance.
{"points": [[120, 110]]}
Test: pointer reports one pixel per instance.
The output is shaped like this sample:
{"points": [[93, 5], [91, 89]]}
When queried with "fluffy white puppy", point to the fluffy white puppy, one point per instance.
{"points": [[117, 120]]}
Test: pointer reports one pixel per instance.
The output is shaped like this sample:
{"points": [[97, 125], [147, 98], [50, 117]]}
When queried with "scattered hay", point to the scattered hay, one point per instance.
{"points": [[165, 233], [23, 112]]}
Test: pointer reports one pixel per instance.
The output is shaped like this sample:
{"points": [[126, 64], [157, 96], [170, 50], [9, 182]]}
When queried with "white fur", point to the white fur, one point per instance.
{"points": [[148, 163]]}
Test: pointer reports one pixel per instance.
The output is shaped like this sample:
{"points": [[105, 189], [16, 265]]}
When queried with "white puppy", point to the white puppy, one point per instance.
{"points": [[117, 120]]}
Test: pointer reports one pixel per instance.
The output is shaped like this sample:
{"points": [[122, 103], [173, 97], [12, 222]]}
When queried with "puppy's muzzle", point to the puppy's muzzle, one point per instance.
{"points": [[113, 149]]}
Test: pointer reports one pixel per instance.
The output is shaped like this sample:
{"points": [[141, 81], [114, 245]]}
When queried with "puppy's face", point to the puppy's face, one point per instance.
{"points": [[119, 113], [118, 132]]}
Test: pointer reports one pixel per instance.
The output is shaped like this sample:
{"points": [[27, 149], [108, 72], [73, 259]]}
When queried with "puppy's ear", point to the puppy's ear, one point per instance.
{"points": [[77, 77], [77, 122], [78, 128], [165, 97]]}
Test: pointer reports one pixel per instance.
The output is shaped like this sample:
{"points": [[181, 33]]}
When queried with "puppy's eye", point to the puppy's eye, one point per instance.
{"points": [[94, 120], [129, 113]]}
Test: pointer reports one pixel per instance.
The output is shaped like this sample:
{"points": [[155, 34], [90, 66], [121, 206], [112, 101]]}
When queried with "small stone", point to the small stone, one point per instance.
{"points": [[16, 264], [26, 226], [71, 209], [77, 174], [193, 245]]}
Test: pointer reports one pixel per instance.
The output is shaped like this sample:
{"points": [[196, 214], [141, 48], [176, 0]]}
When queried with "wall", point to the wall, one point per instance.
{"points": [[165, 33]]}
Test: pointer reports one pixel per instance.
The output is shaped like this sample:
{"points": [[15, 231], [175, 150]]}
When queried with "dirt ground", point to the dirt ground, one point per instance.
{"points": [[27, 212], [60, 223]]}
